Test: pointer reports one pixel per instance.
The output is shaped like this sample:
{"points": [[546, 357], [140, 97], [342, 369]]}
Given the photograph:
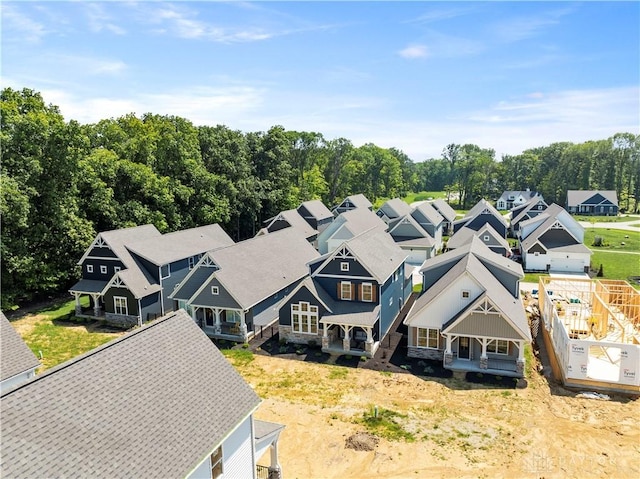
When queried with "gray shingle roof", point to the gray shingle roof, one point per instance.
{"points": [[524, 209], [257, 268], [360, 220], [576, 197], [377, 252], [318, 209], [295, 221], [446, 211], [153, 403], [480, 206], [15, 355], [395, 208], [547, 219], [464, 235], [430, 213], [527, 194], [178, 245]]}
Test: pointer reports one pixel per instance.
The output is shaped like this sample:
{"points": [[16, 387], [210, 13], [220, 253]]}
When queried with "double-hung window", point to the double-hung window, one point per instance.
{"points": [[428, 338], [367, 292], [304, 318], [120, 305], [498, 346], [345, 290]]}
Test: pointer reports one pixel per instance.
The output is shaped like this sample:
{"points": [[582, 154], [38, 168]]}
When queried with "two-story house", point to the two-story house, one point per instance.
{"points": [[469, 314], [413, 239], [490, 237], [128, 272], [511, 199], [531, 208], [483, 212], [432, 222], [553, 241], [347, 225], [159, 401], [233, 291], [447, 212], [350, 298]]}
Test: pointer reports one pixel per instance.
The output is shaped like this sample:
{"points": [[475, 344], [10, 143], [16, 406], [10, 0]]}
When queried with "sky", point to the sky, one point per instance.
{"points": [[416, 75]]}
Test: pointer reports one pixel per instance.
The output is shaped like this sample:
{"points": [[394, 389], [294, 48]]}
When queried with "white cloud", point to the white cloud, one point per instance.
{"points": [[22, 26], [520, 28], [414, 51], [100, 20]]}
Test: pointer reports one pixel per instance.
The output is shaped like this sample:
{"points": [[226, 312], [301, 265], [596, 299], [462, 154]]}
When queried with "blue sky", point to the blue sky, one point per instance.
{"points": [[410, 75]]}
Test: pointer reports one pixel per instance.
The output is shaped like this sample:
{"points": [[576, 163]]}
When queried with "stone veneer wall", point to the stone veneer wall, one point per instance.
{"points": [[424, 353], [287, 333], [120, 320]]}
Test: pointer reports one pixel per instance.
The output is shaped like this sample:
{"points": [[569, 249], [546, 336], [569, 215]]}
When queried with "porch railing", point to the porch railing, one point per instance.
{"points": [[263, 472]]}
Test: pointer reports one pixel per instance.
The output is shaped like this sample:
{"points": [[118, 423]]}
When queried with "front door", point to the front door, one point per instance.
{"points": [[463, 347]]}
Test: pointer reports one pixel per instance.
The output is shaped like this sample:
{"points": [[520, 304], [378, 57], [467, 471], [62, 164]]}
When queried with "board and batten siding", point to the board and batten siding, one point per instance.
{"points": [[485, 325], [237, 455]]}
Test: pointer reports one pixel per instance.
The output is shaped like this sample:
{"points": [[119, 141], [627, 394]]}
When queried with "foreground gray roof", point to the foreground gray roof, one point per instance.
{"points": [[360, 220], [359, 200], [318, 209], [15, 355], [430, 213], [377, 252], [395, 208], [178, 245], [547, 219], [295, 221], [153, 403]]}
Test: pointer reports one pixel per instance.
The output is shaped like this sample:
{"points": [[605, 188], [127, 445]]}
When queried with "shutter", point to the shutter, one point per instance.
{"points": [[374, 291], [359, 291], [353, 291], [339, 293]]}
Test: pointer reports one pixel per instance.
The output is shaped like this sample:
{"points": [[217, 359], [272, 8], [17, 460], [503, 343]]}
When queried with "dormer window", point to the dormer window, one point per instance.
{"points": [[344, 266]]}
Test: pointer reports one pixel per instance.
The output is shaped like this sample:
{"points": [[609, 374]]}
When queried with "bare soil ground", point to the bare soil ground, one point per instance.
{"points": [[445, 427]]}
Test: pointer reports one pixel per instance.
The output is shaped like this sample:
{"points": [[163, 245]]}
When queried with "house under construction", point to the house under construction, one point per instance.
{"points": [[593, 329]]}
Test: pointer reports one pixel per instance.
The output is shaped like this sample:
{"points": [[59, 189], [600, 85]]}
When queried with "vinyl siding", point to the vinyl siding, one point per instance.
{"points": [[222, 300], [489, 325]]}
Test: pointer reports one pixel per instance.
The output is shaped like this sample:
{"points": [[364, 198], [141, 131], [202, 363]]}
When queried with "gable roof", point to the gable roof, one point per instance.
{"points": [[360, 220], [526, 194], [465, 234], [408, 219], [152, 403], [278, 259], [182, 244], [358, 201], [376, 251], [445, 210], [525, 208], [429, 213], [547, 219], [480, 207], [317, 209], [15, 355], [395, 208], [295, 220], [576, 197]]}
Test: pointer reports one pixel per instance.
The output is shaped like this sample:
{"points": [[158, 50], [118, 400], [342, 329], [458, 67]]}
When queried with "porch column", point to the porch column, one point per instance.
{"points": [[448, 354], [217, 327], [520, 361], [368, 346], [243, 327], [346, 341], [78, 305], [275, 471], [325, 336], [484, 360], [96, 305]]}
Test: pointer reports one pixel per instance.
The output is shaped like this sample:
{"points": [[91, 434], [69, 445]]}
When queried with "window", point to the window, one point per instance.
{"points": [[233, 316], [486, 238], [164, 271], [116, 269], [192, 262], [89, 268], [465, 294], [304, 318], [344, 266], [216, 463], [428, 338], [536, 254], [215, 290], [367, 292], [391, 301], [498, 346], [345, 290], [120, 305], [103, 269]]}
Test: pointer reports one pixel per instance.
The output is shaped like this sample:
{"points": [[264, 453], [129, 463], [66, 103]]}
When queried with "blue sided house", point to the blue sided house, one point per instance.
{"points": [[351, 297]]}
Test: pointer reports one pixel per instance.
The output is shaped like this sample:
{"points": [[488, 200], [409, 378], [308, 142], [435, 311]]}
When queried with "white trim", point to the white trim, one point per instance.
{"points": [[344, 266], [103, 269], [362, 285], [115, 305], [305, 318], [465, 294], [338, 276], [427, 338], [343, 283], [496, 344], [89, 268], [215, 290]]}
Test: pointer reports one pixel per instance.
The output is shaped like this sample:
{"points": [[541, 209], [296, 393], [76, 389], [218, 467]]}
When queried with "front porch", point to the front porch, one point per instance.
{"points": [[351, 333], [265, 439], [497, 356]]}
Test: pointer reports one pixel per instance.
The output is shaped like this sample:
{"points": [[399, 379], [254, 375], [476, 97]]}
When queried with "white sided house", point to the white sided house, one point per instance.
{"points": [[553, 241], [469, 314], [17, 363]]}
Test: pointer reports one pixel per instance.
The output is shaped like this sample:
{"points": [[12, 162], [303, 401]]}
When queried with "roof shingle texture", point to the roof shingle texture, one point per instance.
{"points": [[15, 355], [153, 403]]}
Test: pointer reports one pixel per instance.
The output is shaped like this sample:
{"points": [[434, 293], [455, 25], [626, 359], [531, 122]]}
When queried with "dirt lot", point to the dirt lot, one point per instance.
{"points": [[439, 427]]}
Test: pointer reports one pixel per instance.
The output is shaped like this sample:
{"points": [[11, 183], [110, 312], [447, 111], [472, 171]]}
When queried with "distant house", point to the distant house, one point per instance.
{"points": [[232, 291], [483, 212], [531, 208], [486, 234], [347, 225], [553, 241], [352, 202], [290, 219], [469, 314], [432, 222], [511, 199], [160, 401], [447, 212], [128, 273], [393, 209], [316, 214], [18, 364], [603, 203], [414, 240], [351, 297]]}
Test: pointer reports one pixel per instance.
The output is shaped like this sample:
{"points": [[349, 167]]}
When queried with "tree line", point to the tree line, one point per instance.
{"points": [[62, 182]]}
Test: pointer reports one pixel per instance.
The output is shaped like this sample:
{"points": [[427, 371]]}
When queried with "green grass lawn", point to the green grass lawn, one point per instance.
{"points": [[424, 195], [613, 239], [617, 265], [604, 219], [54, 332]]}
